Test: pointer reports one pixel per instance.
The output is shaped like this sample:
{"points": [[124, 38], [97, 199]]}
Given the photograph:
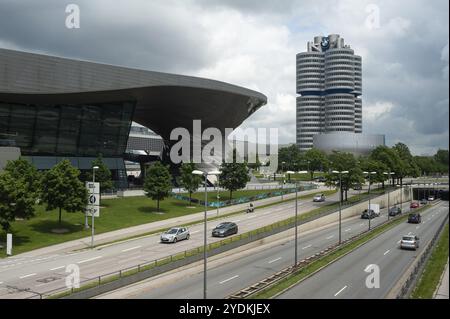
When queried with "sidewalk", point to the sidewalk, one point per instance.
{"points": [[154, 226], [442, 291]]}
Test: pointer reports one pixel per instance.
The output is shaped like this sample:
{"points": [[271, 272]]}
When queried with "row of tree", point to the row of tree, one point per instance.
{"points": [[22, 186]]}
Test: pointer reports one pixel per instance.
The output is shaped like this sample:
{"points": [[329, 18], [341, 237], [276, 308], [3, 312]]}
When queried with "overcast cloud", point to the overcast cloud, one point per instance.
{"points": [[253, 43]]}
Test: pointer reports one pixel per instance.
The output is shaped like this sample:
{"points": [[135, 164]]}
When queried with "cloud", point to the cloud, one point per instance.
{"points": [[253, 43]]}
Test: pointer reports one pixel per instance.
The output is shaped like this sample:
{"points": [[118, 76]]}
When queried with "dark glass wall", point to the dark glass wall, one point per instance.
{"points": [[67, 130]]}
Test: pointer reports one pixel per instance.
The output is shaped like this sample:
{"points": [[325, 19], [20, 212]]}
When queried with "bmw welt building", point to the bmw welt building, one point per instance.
{"points": [[53, 108]]}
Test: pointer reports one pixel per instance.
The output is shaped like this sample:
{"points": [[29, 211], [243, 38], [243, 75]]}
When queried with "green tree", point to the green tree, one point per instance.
{"points": [[102, 174], [234, 175], [317, 160], [370, 165], [441, 157], [157, 184], [411, 168], [23, 169], [291, 156], [341, 161], [189, 181], [62, 189], [16, 199], [391, 159]]}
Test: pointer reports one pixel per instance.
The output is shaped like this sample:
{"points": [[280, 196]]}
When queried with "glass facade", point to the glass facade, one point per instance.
{"points": [[67, 130], [47, 134]]}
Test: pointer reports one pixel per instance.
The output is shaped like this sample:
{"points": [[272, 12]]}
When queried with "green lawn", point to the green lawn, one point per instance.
{"points": [[434, 268], [115, 214]]}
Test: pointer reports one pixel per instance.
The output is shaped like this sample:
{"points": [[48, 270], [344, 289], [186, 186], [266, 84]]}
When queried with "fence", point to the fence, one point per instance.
{"points": [[124, 277], [410, 282]]}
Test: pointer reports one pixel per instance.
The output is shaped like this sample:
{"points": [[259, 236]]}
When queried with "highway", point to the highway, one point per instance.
{"points": [[47, 272], [247, 269], [345, 279]]}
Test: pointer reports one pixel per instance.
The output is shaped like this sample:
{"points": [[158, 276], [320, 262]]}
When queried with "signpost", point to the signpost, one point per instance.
{"points": [[93, 205], [9, 244]]}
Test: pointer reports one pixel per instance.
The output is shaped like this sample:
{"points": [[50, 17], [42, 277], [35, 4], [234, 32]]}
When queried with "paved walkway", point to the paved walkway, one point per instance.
{"points": [[154, 226], [442, 291]]}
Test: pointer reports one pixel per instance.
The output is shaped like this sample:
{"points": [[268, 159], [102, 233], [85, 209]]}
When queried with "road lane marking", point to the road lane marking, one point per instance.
{"points": [[29, 275], [410, 233], [386, 252], [340, 291], [272, 261], [348, 229], [253, 216], [130, 249], [417, 227], [88, 260], [362, 224], [237, 221], [329, 237], [1, 282], [226, 280], [195, 232], [306, 247], [56, 268]]}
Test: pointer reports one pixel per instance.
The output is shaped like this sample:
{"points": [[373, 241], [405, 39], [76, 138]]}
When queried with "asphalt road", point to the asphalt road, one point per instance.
{"points": [[47, 272], [346, 278], [243, 272]]}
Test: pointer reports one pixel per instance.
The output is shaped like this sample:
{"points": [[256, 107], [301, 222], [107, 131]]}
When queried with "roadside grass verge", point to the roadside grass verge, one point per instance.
{"points": [[428, 282]]}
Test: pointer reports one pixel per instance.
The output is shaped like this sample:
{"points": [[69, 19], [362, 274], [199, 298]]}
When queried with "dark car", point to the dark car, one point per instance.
{"points": [[394, 211], [423, 201], [368, 215], [414, 218], [225, 229], [320, 179], [357, 187]]}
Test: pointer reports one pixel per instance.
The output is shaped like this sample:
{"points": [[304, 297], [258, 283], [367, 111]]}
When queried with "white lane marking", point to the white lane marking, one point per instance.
{"points": [[56, 268], [226, 280], [340, 291], [237, 221], [29, 275], [195, 232], [272, 261], [130, 249], [88, 260], [417, 227], [329, 237], [348, 229], [409, 233], [252, 216], [386, 252], [362, 224], [306, 247]]}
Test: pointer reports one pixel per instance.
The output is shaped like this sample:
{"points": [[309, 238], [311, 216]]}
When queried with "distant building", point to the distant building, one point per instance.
{"points": [[329, 84]]}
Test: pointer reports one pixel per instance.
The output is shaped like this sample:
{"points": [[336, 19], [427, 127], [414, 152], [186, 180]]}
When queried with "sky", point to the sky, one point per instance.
{"points": [[253, 43]]}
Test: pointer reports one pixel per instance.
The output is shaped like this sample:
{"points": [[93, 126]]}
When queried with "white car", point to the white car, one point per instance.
{"points": [[175, 234], [319, 198], [430, 198], [409, 242]]}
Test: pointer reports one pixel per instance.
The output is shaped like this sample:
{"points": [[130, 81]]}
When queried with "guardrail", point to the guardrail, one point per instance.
{"points": [[410, 283], [111, 281]]}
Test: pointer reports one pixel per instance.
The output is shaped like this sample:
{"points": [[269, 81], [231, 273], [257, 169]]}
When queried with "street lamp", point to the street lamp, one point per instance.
{"points": [[389, 174], [340, 201], [370, 174], [93, 215], [205, 175], [296, 217]]}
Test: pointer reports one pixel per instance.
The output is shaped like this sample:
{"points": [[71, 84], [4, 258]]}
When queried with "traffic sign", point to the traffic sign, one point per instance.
{"points": [[93, 188], [92, 209]]}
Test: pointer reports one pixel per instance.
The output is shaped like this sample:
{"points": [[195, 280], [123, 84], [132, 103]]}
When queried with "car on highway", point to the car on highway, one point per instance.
{"points": [[414, 218], [320, 179], [225, 229], [394, 211], [369, 215], [319, 198], [175, 234], [409, 242], [431, 198], [423, 201], [414, 205]]}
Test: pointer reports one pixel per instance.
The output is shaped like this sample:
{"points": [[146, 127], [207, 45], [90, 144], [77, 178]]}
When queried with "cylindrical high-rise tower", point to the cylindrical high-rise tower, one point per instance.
{"points": [[329, 83]]}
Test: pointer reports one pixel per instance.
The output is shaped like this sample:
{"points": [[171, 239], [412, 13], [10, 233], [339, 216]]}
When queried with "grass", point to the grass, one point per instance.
{"points": [[434, 268], [316, 265]]}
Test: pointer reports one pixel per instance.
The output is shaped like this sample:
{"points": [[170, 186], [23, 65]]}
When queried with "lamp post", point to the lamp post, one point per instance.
{"points": [[218, 196], [340, 201], [93, 217], [296, 217], [205, 255], [370, 174], [388, 174]]}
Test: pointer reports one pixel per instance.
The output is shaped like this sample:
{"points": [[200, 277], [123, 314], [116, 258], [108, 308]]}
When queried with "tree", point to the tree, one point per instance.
{"points": [[234, 175], [102, 174], [23, 169], [317, 160], [157, 185], [189, 181], [62, 189], [291, 156], [370, 165], [16, 199], [411, 168], [442, 157], [341, 161], [391, 159]]}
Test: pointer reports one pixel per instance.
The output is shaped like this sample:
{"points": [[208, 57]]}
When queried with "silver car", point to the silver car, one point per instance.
{"points": [[319, 198], [409, 242], [175, 234]]}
